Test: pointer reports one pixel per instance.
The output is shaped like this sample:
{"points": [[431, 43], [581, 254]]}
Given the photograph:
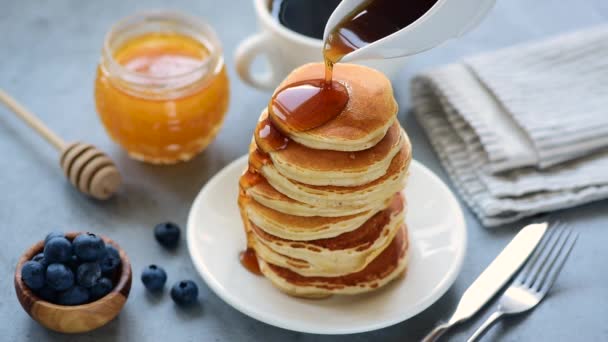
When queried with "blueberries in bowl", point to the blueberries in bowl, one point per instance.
{"points": [[184, 292], [59, 277], [89, 247], [102, 287], [47, 294], [154, 278], [73, 263], [88, 273], [51, 235], [40, 258], [72, 272], [167, 234], [57, 250], [32, 274], [110, 261], [75, 295]]}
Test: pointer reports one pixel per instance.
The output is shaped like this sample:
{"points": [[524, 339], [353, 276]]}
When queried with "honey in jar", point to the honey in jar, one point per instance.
{"points": [[161, 89]]}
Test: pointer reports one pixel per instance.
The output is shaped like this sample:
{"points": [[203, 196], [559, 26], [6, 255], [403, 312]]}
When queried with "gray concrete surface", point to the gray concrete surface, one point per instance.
{"points": [[48, 55]]}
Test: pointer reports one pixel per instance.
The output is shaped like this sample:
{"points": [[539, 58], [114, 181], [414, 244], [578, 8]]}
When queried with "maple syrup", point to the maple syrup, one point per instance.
{"points": [[250, 179], [249, 260], [257, 159], [304, 105], [268, 138]]}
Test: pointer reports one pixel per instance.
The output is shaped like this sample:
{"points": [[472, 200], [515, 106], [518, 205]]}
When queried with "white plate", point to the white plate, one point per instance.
{"points": [[438, 243]]}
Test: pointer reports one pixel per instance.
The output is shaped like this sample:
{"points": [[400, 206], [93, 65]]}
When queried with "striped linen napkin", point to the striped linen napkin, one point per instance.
{"points": [[522, 130]]}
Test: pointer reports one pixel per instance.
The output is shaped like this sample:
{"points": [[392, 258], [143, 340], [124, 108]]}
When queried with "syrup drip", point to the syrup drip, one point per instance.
{"points": [[329, 70], [249, 260], [250, 179], [268, 137], [257, 159]]}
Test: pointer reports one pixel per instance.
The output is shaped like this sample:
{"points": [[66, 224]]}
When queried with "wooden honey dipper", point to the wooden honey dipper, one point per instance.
{"points": [[90, 170]]}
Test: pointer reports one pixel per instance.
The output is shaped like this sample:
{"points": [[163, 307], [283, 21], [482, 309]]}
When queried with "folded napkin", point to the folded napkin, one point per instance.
{"points": [[522, 130]]}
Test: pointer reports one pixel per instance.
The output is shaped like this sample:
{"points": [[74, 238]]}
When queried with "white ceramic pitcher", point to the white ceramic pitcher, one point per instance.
{"points": [[446, 19]]}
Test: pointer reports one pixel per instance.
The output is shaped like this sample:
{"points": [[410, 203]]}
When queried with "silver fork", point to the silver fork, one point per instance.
{"points": [[535, 279]]}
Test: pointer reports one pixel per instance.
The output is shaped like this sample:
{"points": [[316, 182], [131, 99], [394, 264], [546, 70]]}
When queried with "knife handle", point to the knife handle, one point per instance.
{"points": [[437, 332]]}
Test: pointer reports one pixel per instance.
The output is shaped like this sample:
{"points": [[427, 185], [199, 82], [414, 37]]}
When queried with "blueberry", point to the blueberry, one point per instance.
{"points": [[53, 235], [32, 274], [154, 278], [111, 260], [73, 263], [75, 295], [40, 258], [102, 287], [184, 292], [59, 277], [57, 250], [47, 294], [88, 273], [167, 234], [89, 247]]}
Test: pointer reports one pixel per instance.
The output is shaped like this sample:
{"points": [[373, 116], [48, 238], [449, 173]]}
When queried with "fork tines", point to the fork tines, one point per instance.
{"points": [[543, 267]]}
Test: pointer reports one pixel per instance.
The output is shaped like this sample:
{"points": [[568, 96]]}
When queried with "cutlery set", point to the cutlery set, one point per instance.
{"points": [[542, 250]]}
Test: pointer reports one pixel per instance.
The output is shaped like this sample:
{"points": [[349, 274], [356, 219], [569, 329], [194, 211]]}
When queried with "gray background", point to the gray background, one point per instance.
{"points": [[48, 55]]}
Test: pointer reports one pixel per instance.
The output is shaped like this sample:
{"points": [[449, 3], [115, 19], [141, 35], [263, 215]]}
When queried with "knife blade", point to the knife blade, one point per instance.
{"points": [[494, 277]]}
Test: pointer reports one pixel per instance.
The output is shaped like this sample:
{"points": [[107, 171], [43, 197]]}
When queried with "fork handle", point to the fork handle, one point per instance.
{"points": [[494, 317], [437, 332]]}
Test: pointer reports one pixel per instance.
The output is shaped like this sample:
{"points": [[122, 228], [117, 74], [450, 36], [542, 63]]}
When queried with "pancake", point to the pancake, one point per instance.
{"points": [[299, 228], [387, 266], [370, 112], [338, 196], [268, 196], [347, 253], [326, 167]]}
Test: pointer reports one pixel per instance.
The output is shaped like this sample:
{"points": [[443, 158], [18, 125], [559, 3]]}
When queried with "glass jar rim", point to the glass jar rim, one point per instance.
{"points": [[198, 29]]}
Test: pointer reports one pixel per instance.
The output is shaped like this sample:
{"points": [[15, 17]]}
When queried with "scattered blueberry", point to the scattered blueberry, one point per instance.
{"points": [[154, 278], [101, 288], [89, 247], [40, 258], [32, 273], [88, 273], [53, 235], [73, 296], [167, 234], [111, 260], [47, 294], [57, 249], [184, 292], [59, 277]]}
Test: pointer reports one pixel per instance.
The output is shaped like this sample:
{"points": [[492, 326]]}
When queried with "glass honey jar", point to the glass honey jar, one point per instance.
{"points": [[162, 90]]}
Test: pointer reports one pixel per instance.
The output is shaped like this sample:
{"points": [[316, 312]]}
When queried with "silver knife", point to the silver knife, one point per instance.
{"points": [[494, 277]]}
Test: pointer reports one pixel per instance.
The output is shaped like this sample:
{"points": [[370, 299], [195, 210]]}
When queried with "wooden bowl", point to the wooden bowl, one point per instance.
{"points": [[75, 318]]}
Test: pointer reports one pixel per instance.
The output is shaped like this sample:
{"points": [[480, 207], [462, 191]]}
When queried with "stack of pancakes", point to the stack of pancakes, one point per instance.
{"points": [[326, 214]]}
